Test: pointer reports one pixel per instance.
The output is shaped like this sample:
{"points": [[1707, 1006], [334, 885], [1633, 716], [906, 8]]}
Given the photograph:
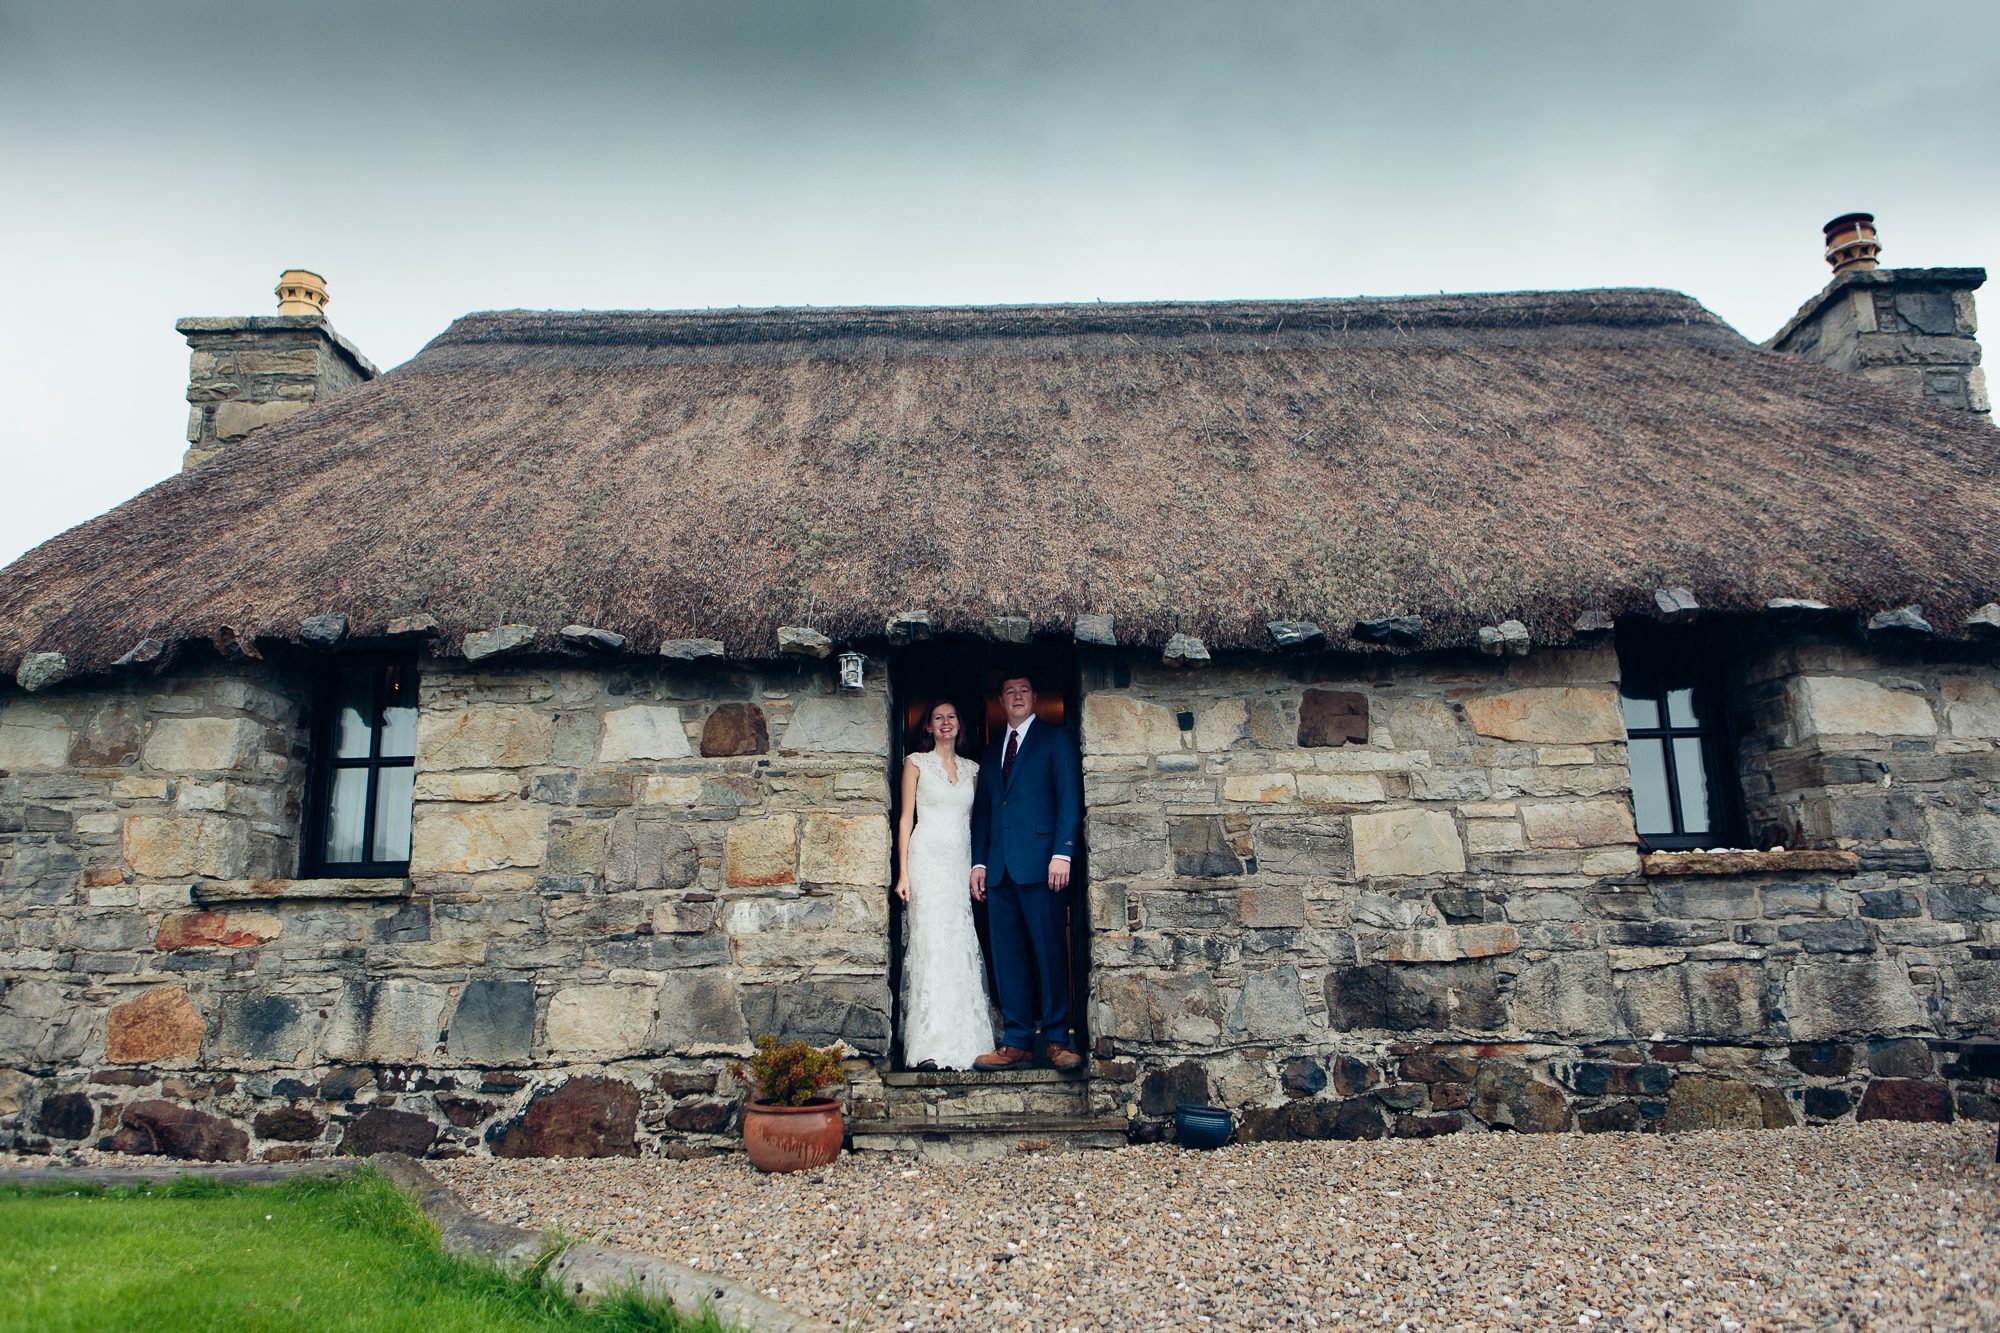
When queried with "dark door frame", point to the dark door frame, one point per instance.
{"points": [[919, 671]]}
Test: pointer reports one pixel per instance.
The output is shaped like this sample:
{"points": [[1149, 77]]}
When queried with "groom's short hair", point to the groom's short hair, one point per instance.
{"points": [[1018, 673]]}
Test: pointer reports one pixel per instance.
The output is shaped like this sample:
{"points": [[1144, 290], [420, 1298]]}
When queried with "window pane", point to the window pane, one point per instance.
{"points": [[354, 702], [392, 813], [1640, 711], [1649, 788], [346, 813], [1693, 779], [399, 718], [1680, 708]]}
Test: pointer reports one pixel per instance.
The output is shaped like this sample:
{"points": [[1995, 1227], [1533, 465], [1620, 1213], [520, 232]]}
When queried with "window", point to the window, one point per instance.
{"points": [[364, 771], [1683, 794]]}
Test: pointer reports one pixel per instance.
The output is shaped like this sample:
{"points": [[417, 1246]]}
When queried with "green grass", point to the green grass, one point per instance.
{"points": [[313, 1253]]}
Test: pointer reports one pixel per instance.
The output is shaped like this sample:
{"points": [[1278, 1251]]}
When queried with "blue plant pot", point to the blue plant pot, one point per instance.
{"points": [[1202, 1126]]}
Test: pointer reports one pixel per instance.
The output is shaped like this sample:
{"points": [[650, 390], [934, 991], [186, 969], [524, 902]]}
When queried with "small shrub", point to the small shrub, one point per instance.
{"points": [[789, 1075]]}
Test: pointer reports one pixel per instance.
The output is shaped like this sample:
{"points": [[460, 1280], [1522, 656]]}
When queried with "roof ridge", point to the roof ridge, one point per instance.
{"points": [[1620, 307]]}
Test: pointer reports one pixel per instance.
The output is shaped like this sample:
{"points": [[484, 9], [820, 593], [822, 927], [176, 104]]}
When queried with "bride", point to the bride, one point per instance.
{"points": [[947, 1018]]}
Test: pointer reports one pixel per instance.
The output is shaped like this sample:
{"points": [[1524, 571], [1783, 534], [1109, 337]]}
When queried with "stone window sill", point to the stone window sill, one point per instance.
{"points": [[297, 890], [1750, 863]]}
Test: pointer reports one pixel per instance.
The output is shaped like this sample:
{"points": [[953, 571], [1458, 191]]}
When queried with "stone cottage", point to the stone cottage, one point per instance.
{"points": [[1529, 711]]}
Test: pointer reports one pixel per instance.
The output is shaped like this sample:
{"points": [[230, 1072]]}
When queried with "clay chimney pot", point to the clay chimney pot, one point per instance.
{"points": [[1851, 246], [301, 292]]}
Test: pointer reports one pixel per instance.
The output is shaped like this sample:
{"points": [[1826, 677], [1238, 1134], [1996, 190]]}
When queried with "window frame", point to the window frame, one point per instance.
{"points": [[324, 763], [1656, 659]]}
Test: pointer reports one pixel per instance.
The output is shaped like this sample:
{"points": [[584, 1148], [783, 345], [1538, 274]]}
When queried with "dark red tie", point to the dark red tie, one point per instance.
{"points": [[1007, 760]]}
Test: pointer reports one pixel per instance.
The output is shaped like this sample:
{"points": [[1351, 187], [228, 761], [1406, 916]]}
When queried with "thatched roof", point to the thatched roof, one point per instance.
{"points": [[1200, 467]]}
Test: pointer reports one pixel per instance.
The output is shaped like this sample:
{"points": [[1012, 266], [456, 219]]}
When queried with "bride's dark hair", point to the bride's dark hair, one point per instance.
{"points": [[926, 737]]}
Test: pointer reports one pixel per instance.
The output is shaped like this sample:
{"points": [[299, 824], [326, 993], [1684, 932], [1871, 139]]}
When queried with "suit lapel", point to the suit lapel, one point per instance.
{"points": [[1028, 742]]}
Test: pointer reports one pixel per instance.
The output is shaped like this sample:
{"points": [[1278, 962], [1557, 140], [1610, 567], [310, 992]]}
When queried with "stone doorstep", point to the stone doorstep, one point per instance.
{"points": [[993, 1124], [955, 1097], [588, 1272], [986, 1148], [957, 1105], [997, 1078], [990, 1136]]}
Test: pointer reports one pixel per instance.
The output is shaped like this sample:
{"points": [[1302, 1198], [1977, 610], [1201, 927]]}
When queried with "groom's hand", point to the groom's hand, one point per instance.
{"points": [[979, 884], [1058, 874]]}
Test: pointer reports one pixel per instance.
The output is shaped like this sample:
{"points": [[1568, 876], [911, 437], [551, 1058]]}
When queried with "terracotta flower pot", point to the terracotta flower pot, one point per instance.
{"points": [[793, 1138]]}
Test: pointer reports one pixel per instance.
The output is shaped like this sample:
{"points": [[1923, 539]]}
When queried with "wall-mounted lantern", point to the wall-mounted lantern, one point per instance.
{"points": [[850, 670]]}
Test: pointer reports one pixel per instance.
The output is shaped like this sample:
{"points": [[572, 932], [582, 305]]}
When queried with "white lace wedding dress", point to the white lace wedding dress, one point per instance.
{"points": [[947, 1017]]}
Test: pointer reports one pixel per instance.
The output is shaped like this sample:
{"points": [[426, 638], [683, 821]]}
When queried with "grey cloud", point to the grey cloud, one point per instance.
{"points": [[168, 157]]}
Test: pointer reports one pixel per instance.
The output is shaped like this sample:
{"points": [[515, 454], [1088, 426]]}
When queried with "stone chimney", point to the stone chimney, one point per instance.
{"points": [[1909, 329], [247, 371]]}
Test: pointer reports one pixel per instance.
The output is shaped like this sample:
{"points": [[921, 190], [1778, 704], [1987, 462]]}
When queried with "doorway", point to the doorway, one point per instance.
{"points": [[968, 672]]}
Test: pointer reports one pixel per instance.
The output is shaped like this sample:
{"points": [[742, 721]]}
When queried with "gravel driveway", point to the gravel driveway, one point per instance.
{"points": [[1887, 1226]]}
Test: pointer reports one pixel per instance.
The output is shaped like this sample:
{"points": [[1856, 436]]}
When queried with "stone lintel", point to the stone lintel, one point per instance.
{"points": [[1780, 861], [297, 890]]}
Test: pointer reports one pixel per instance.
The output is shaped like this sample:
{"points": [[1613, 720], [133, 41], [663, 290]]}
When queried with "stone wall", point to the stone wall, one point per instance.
{"points": [[1912, 330], [617, 876], [1886, 753], [1410, 900], [249, 372], [1343, 898], [116, 799]]}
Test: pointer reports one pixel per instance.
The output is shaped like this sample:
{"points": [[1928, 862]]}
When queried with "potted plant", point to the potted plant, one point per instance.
{"points": [[787, 1125]]}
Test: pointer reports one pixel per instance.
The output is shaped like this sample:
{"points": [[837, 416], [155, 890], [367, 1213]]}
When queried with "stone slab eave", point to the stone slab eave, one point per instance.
{"points": [[1982, 631]]}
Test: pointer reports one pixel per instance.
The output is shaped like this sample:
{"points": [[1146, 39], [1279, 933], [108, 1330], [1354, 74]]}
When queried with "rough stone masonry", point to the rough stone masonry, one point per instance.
{"points": [[1346, 899], [616, 877], [1411, 901]]}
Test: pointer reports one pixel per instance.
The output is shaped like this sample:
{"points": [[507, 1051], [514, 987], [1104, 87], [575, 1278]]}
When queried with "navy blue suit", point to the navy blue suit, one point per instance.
{"points": [[1018, 824]]}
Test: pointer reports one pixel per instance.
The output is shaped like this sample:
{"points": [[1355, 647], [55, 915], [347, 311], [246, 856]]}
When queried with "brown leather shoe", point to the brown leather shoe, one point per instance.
{"points": [[1006, 1057], [1063, 1059]]}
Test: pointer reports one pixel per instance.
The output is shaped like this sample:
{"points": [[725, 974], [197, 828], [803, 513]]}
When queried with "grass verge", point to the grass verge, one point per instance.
{"points": [[312, 1253]]}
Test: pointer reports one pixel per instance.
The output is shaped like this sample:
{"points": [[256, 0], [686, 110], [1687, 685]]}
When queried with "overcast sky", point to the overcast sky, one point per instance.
{"points": [[160, 159]]}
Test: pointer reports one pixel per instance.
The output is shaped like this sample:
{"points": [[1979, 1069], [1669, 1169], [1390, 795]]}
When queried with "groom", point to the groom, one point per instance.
{"points": [[1025, 816]]}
